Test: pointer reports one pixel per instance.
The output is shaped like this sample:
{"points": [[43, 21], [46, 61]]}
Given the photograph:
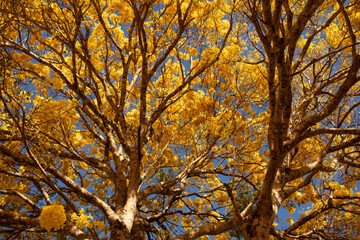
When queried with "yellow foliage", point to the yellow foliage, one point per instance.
{"points": [[52, 217], [291, 210], [83, 75], [99, 224], [290, 220], [82, 220]]}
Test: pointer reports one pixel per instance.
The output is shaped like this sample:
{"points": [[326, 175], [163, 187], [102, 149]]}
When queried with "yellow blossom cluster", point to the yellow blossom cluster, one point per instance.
{"points": [[52, 217], [82, 219]]}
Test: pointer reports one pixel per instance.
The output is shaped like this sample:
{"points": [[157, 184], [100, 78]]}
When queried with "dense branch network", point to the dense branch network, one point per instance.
{"points": [[179, 119]]}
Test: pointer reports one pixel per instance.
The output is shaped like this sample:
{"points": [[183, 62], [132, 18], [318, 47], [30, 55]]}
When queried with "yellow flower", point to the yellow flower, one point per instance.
{"points": [[291, 210], [100, 225], [81, 220], [52, 217]]}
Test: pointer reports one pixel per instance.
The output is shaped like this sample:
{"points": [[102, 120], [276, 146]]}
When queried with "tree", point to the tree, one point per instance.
{"points": [[179, 119]]}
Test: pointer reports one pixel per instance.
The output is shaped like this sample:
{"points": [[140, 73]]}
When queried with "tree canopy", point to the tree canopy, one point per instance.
{"points": [[179, 119]]}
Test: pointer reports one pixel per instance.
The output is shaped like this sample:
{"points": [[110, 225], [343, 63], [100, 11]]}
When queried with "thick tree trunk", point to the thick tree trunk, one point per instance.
{"points": [[138, 232], [120, 232], [259, 226]]}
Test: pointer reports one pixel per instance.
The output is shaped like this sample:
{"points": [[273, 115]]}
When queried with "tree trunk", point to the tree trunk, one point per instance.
{"points": [[118, 232], [138, 232], [259, 226], [122, 234]]}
